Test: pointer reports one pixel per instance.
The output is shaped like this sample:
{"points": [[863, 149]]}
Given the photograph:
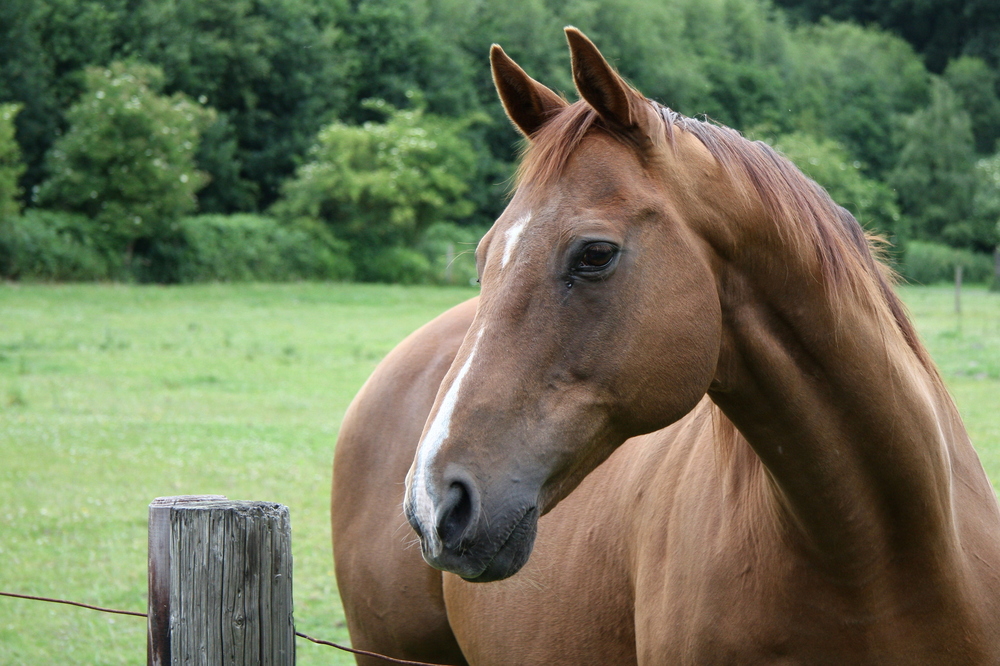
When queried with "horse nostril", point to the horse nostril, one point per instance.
{"points": [[457, 512]]}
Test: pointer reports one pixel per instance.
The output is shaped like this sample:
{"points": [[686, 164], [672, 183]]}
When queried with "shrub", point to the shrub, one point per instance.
{"points": [[384, 183], [245, 247], [128, 158], [394, 264], [381, 185], [52, 245], [927, 263], [11, 165]]}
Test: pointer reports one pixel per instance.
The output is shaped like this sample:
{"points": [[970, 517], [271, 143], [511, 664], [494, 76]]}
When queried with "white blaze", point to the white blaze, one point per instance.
{"points": [[429, 446], [511, 238]]}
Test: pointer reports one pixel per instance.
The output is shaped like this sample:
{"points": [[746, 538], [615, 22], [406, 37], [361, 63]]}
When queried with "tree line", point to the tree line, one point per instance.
{"points": [[173, 140]]}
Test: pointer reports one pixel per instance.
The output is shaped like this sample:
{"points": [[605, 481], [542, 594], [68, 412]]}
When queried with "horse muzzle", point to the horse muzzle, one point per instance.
{"points": [[466, 537]]}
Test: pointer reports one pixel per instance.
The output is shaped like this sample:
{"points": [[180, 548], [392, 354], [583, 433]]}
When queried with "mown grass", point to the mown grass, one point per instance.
{"points": [[111, 396]]}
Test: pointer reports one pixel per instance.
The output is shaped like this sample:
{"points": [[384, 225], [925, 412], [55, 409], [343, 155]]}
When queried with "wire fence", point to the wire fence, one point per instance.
{"points": [[318, 641]]}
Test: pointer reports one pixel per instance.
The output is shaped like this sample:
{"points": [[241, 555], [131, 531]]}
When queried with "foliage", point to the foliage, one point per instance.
{"points": [[829, 164], [378, 186], [218, 156], [127, 161], [938, 29], [934, 174], [394, 264], [44, 47], [407, 46], [50, 245], [848, 83], [239, 248], [986, 203], [11, 166], [929, 263], [54, 245], [276, 72], [976, 85], [279, 71]]}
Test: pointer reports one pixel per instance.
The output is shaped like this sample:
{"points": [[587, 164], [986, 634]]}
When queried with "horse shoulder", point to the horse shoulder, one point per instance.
{"points": [[392, 598]]}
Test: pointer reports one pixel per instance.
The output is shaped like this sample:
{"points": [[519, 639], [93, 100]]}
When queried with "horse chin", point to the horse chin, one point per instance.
{"points": [[513, 553]]}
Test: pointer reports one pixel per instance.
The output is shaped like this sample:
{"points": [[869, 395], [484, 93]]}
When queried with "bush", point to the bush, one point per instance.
{"points": [[245, 247], [927, 263], [51, 245], [381, 185], [394, 264], [11, 164], [128, 158]]}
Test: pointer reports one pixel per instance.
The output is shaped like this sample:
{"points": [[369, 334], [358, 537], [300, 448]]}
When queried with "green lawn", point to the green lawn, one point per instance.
{"points": [[113, 395]]}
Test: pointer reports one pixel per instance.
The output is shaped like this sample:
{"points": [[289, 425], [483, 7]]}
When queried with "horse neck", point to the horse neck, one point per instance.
{"points": [[856, 432]]}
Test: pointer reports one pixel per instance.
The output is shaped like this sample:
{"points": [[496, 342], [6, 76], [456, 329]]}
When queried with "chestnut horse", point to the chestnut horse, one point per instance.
{"points": [[686, 422]]}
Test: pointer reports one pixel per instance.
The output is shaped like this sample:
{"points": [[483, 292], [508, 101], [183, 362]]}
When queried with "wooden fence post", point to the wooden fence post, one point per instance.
{"points": [[220, 583]]}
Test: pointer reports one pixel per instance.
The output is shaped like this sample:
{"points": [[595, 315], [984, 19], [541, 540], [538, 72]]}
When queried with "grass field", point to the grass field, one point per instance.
{"points": [[111, 396]]}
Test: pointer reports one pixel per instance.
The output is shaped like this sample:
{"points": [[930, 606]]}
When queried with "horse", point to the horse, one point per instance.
{"points": [[686, 421]]}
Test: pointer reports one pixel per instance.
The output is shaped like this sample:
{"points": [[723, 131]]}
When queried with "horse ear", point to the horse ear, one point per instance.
{"points": [[599, 84], [527, 102]]}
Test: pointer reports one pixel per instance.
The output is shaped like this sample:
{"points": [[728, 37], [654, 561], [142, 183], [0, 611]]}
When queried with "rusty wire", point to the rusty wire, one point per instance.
{"points": [[71, 603], [318, 641]]}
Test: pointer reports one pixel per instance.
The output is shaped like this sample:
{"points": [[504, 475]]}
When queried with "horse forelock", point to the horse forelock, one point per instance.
{"points": [[850, 259], [544, 159]]}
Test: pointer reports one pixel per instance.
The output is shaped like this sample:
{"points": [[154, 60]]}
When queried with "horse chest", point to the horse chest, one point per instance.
{"points": [[727, 612]]}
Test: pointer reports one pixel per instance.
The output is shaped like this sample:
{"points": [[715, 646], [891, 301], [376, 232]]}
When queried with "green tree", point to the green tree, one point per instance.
{"points": [[849, 82], [379, 185], [218, 155], [275, 72], [986, 203], [127, 160], [525, 29], [44, 46], [406, 46], [938, 29], [934, 174], [975, 84], [11, 165]]}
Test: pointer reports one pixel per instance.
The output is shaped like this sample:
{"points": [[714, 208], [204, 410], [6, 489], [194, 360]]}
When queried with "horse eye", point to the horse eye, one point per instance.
{"points": [[597, 255]]}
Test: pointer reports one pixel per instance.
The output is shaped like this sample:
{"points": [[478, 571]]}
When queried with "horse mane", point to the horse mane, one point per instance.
{"points": [[850, 259], [803, 211]]}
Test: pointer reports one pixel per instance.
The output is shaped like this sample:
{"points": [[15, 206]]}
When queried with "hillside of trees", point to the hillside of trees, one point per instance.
{"points": [[183, 140]]}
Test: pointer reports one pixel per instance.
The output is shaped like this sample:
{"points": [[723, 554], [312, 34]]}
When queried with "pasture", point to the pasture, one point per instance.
{"points": [[112, 395]]}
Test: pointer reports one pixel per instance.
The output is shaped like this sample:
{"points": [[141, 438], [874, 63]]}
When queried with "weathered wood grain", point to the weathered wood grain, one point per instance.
{"points": [[220, 583]]}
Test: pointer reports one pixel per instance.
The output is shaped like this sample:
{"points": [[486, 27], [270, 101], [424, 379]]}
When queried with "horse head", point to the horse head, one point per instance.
{"points": [[599, 317]]}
